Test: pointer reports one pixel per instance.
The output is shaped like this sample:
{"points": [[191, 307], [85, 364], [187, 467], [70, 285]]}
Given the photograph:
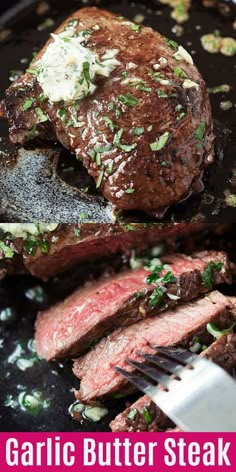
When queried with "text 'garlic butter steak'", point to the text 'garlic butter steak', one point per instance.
{"points": [[95, 369], [127, 101], [88, 314]]}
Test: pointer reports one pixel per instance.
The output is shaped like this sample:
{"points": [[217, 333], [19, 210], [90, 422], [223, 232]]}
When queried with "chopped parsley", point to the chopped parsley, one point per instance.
{"points": [[100, 177], [162, 94], [150, 128], [41, 116], [7, 251], [32, 133], [30, 246], [138, 131], [179, 72], [77, 232], [200, 131], [128, 100], [172, 44], [117, 142], [72, 22], [124, 74], [147, 416], [154, 276], [110, 168], [144, 89], [208, 274], [62, 113], [132, 414], [101, 150], [135, 27], [161, 142], [28, 104], [109, 123], [178, 107], [157, 296], [130, 190]]}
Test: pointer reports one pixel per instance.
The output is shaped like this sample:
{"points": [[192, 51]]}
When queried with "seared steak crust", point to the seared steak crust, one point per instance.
{"points": [[170, 97]]}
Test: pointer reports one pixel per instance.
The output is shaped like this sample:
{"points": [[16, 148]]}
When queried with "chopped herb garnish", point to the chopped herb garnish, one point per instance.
{"points": [[92, 154], [72, 22], [130, 190], [178, 107], [172, 44], [150, 128], [42, 117], [163, 164], [144, 89], [138, 131], [109, 123], [118, 144], [42, 98], [181, 116], [98, 159], [168, 278], [128, 100], [132, 414], [110, 168], [62, 113], [86, 72], [77, 232], [32, 133], [135, 27], [157, 296], [162, 94], [101, 150], [179, 72], [208, 274], [44, 246], [28, 104], [161, 142], [125, 74], [30, 245], [100, 177], [7, 251], [147, 416], [200, 131], [154, 276]]}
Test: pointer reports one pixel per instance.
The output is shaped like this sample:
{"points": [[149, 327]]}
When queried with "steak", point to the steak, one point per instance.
{"points": [[95, 369], [144, 134], [69, 328], [53, 253], [144, 415]]}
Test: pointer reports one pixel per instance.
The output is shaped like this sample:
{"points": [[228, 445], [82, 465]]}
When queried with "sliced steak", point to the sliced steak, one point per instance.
{"points": [[144, 415], [173, 327], [70, 327], [53, 253], [144, 134]]}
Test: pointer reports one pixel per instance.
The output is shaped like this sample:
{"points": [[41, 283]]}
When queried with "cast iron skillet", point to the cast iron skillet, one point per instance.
{"points": [[55, 380], [48, 185]]}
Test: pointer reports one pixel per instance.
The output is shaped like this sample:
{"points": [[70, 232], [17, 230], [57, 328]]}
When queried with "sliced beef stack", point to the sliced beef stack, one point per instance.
{"points": [[69, 328], [164, 304]]}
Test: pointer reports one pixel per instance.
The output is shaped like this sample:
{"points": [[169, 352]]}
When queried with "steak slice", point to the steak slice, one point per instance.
{"points": [[95, 369], [145, 134], [70, 245], [69, 328], [144, 415]]}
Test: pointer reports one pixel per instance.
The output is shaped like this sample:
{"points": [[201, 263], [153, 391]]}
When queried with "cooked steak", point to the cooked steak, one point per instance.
{"points": [[95, 369], [138, 117], [53, 253], [69, 328], [144, 415]]}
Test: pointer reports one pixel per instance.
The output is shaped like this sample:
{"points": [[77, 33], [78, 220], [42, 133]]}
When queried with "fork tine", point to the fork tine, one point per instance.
{"points": [[162, 362], [154, 373], [139, 382], [176, 354]]}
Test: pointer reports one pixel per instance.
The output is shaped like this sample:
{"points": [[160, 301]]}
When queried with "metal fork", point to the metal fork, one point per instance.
{"points": [[195, 393]]}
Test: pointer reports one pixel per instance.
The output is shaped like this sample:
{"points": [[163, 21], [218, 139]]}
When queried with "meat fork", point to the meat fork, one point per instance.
{"points": [[195, 393]]}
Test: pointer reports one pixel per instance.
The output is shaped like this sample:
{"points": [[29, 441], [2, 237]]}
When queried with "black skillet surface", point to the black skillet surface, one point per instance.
{"points": [[50, 189], [55, 380]]}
